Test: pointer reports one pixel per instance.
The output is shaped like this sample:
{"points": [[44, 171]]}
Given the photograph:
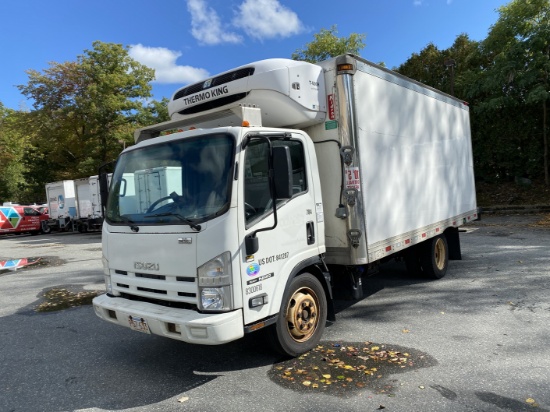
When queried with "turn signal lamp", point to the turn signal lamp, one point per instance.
{"points": [[259, 300], [344, 67]]}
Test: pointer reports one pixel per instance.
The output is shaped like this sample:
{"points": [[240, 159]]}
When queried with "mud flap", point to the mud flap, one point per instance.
{"points": [[356, 284], [453, 242]]}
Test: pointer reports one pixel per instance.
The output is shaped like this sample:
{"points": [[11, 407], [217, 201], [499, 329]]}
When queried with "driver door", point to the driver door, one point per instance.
{"points": [[290, 242]]}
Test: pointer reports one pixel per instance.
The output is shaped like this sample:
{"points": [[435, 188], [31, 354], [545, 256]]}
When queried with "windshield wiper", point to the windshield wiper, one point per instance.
{"points": [[180, 217], [130, 223]]}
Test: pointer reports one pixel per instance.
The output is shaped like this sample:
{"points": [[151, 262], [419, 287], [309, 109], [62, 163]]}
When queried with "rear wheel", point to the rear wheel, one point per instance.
{"points": [[303, 316], [435, 257]]}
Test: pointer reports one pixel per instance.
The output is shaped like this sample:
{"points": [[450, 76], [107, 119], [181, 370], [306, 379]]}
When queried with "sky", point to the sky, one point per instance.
{"points": [[186, 41]]}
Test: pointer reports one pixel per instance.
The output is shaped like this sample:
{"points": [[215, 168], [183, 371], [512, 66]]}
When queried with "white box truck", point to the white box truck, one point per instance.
{"points": [[290, 177], [89, 210], [61, 204], [153, 184]]}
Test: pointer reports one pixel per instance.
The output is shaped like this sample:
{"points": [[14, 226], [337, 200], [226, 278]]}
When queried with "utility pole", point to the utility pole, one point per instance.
{"points": [[451, 63]]}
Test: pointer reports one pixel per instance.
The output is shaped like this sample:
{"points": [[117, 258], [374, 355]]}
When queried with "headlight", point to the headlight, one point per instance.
{"points": [[215, 298], [215, 280]]}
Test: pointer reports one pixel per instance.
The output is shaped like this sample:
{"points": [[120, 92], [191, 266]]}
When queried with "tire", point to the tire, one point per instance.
{"points": [[297, 332], [45, 228], [435, 257]]}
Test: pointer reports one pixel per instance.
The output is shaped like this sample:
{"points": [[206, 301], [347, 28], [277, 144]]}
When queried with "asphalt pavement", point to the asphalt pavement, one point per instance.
{"points": [[476, 340]]}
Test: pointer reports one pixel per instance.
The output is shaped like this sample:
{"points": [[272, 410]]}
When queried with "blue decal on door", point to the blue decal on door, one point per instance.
{"points": [[253, 269]]}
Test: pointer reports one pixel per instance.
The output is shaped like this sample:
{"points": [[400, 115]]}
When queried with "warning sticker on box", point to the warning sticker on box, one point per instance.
{"points": [[353, 180]]}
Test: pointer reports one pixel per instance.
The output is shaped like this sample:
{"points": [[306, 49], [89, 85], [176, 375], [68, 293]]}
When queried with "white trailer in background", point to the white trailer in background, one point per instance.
{"points": [[83, 202], [153, 184], [61, 204], [89, 211], [276, 181]]}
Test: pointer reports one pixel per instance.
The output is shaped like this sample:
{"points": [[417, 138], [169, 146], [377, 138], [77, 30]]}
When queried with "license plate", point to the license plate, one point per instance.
{"points": [[139, 324]]}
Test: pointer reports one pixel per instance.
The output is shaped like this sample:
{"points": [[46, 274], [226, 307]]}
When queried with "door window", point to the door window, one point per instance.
{"points": [[256, 185], [29, 211]]}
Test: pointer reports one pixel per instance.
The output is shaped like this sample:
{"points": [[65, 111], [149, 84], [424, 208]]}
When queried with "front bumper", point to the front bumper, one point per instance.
{"points": [[181, 324]]}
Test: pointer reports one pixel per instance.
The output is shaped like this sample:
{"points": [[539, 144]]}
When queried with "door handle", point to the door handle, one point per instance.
{"points": [[310, 233]]}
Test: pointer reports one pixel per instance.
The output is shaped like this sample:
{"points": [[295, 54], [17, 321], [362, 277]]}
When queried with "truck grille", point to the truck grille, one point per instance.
{"points": [[166, 303], [214, 82], [173, 291], [148, 276]]}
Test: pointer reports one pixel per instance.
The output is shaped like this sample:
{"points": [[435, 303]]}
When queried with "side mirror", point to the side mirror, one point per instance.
{"points": [[282, 170], [103, 178], [251, 244], [103, 189]]}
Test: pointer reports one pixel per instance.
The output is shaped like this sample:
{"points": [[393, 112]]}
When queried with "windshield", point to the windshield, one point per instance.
{"points": [[183, 181]]}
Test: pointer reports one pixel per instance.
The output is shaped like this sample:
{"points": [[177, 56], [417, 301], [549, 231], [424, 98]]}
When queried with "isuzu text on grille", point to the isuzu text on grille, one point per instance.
{"points": [[146, 266]]}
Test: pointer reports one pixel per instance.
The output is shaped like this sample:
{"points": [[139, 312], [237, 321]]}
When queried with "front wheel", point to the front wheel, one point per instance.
{"points": [[303, 316]]}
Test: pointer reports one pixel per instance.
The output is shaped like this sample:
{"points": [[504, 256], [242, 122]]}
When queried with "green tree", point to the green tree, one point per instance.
{"points": [[15, 143], [151, 113], [427, 67], [327, 44], [440, 68], [84, 108], [517, 75]]}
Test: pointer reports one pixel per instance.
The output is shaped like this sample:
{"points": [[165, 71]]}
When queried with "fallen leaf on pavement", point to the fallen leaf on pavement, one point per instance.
{"points": [[531, 402]]}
